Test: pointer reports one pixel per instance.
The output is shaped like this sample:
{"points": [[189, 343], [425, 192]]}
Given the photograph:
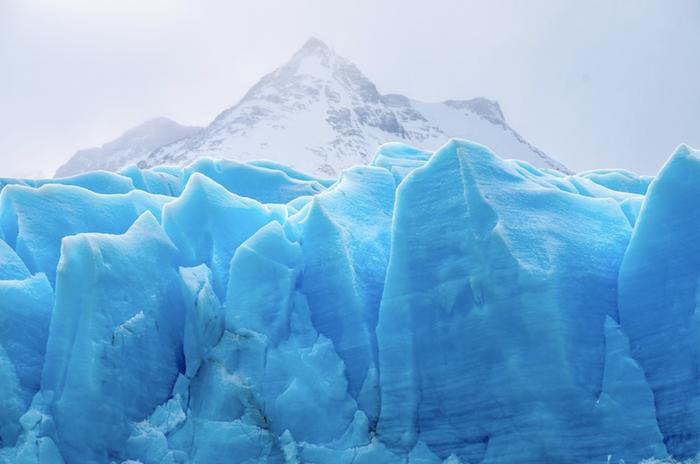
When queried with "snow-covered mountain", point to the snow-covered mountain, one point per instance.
{"points": [[320, 114], [129, 148]]}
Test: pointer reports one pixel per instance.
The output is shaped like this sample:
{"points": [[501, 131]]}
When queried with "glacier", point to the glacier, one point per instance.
{"points": [[430, 307]]}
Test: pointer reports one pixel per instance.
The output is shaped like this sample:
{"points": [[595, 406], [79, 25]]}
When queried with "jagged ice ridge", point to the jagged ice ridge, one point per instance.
{"points": [[447, 307]]}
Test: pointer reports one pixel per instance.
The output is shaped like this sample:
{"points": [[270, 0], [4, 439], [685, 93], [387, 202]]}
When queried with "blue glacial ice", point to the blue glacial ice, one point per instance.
{"points": [[447, 307]]}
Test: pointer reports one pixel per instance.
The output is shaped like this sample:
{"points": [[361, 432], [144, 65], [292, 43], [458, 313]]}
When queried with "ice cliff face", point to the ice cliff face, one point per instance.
{"points": [[320, 114], [129, 148], [446, 307]]}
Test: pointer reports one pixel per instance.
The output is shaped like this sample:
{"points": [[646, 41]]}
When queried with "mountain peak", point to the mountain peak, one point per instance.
{"points": [[319, 113], [312, 55], [314, 45], [130, 147], [484, 107], [154, 124]]}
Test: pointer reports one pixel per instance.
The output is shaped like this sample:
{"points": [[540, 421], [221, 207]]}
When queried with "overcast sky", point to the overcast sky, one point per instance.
{"points": [[592, 83]]}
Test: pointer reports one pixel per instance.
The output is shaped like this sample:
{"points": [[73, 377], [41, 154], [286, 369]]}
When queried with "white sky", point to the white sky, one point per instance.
{"points": [[598, 83]]}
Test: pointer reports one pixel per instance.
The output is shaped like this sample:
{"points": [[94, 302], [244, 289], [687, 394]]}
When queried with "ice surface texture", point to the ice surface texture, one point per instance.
{"points": [[447, 307]]}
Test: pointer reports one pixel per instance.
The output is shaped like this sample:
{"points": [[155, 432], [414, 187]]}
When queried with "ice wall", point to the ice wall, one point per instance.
{"points": [[429, 308]]}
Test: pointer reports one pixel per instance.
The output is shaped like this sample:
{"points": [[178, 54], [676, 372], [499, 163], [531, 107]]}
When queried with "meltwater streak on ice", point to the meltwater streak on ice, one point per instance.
{"points": [[429, 308]]}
